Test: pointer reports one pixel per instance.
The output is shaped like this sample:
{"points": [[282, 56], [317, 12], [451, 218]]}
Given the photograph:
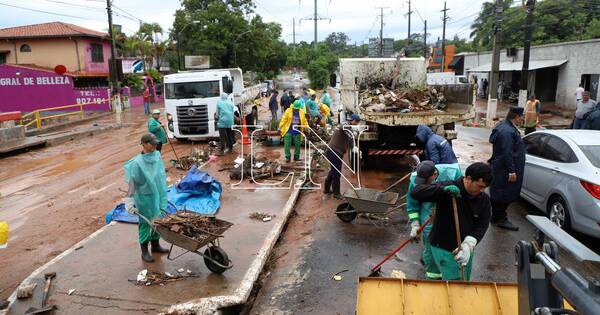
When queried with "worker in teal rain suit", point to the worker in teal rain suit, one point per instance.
{"points": [[147, 180], [419, 212]]}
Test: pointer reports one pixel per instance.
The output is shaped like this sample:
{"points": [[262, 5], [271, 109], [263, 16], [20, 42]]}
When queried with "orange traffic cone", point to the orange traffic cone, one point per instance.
{"points": [[245, 138]]}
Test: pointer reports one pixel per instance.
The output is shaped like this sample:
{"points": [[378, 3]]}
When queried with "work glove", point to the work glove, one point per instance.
{"points": [[414, 230], [129, 205], [452, 190], [463, 253]]}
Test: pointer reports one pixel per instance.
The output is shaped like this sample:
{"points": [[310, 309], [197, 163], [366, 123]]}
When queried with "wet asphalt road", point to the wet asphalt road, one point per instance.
{"points": [[316, 245]]}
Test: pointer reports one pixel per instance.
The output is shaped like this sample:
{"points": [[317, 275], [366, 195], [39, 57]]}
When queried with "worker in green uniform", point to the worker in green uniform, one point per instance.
{"points": [[157, 129], [473, 208], [147, 195], [419, 212]]}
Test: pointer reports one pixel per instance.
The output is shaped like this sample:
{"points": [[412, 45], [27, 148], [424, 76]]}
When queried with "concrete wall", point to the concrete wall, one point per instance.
{"points": [[582, 59], [74, 53], [11, 134]]}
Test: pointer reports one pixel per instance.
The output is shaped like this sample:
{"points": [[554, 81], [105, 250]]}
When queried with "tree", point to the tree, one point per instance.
{"points": [[338, 44], [228, 36]]}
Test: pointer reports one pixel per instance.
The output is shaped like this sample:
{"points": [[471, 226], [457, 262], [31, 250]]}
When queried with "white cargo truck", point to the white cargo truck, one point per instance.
{"points": [[393, 133], [191, 101], [445, 78]]}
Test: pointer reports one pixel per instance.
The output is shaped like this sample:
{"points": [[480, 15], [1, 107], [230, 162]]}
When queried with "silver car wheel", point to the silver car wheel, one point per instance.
{"points": [[557, 214]]}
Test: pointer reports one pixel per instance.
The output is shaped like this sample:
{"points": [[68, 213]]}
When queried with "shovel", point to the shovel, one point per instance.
{"points": [[458, 240], [169, 140], [375, 271], [45, 308]]}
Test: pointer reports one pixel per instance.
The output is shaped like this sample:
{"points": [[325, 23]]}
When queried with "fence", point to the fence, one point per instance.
{"points": [[36, 117]]}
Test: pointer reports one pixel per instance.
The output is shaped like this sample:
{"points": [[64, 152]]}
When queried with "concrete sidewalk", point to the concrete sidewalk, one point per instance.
{"points": [[99, 268]]}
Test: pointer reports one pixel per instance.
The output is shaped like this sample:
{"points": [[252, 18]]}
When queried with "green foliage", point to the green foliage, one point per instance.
{"points": [[134, 81], [156, 76], [554, 21], [413, 48], [337, 43], [225, 33]]}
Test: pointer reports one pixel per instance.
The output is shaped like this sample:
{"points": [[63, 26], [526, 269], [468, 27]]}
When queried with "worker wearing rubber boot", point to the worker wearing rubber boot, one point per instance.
{"points": [[292, 117], [157, 129], [146, 177], [419, 212], [340, 141], [452, 256]]}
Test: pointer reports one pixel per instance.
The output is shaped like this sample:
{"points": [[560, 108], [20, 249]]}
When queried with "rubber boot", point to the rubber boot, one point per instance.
{"points": [[336, 189], [145, 254], [156, 248]]}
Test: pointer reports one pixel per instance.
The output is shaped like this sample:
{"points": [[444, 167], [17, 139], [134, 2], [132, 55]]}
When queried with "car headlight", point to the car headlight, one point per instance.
{"points": [[169, 117]]}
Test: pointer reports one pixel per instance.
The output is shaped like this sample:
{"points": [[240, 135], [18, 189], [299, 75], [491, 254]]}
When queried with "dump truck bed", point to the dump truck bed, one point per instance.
{"points": [[453, 113], [424, 297]]}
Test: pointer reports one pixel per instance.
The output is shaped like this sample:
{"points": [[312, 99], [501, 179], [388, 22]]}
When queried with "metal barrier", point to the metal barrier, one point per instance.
{"points": [[37, 118]]}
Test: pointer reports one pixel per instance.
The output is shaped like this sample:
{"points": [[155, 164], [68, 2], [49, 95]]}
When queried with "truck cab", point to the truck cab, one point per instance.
{"points": [[191, 101]]}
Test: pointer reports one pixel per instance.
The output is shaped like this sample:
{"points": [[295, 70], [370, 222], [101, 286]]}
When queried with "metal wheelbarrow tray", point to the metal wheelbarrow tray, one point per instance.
{"points": [[365, 200], [215, 258]]}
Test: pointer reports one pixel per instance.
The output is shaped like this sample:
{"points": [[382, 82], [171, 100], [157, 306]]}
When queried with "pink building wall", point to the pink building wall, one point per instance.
{"points": [[25, 89], [102, 67]]}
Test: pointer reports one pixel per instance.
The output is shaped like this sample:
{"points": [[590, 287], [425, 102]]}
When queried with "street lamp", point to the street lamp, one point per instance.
{"points": [[178, 42], [234, 46]]}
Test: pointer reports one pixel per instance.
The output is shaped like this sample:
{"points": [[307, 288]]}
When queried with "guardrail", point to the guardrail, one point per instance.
{"points": [[35, 117]]}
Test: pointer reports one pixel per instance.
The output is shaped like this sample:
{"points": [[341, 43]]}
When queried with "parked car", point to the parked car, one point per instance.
{"points": [[562, 177]]}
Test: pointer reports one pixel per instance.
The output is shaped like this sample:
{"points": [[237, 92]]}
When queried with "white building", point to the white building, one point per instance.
{"points": [[556, 69]]}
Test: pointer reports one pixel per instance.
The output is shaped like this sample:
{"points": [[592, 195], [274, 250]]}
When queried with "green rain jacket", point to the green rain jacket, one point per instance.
{"points": [[148, 174], [421, 211], [155, 128]]}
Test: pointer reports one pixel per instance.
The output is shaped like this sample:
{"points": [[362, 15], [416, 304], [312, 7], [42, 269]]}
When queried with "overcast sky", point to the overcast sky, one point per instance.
{"points": [[357, 18]]}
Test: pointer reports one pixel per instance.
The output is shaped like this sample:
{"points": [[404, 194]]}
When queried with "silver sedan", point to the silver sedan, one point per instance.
{"points": [[562, 177]]}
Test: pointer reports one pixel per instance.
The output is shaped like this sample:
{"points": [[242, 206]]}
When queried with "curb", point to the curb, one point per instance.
{"points": [[211, 305], [49, 129], [58, 139]]}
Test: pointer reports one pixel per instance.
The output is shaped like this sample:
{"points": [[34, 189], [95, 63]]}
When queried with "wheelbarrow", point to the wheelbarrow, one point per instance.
{"points": [[369, 201], [215, 258]]}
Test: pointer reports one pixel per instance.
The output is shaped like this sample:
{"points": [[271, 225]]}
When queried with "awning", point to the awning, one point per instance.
{"points": [[518, 65], [456, 62]]}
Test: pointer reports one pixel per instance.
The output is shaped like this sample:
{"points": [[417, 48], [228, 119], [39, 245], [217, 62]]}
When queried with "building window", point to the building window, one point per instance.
{"points": [[25, 48], [97, 53], [2, 59]]}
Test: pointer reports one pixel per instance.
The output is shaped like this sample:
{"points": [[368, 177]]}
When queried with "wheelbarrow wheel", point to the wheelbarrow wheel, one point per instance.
{"points": [[342, 213], [217, 254]]}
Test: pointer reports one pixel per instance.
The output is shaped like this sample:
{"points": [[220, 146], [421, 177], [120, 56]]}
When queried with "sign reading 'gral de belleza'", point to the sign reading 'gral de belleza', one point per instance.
{"points": [[18, 81]]}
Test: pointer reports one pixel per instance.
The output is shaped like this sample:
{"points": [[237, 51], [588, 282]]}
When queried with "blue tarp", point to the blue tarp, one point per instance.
{"points": [[198, 192]]}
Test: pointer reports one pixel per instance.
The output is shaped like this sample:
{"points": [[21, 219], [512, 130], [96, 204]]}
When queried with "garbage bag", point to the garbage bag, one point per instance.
{"points": [[197, 182]]}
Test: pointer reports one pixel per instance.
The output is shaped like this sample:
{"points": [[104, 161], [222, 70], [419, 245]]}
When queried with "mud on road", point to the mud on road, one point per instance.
{"points": [[56, 196]]}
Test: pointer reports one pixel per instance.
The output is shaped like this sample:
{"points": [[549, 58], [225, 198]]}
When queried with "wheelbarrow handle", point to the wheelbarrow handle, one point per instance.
{"points": [[145, 219], [397, 182]]}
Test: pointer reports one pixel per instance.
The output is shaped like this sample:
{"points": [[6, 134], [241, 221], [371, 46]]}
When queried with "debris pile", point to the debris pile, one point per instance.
{"points": [[402, 99], [258, 168], [259, 216], [148, 278], [193, 225], [316, 133], [197, 157]]}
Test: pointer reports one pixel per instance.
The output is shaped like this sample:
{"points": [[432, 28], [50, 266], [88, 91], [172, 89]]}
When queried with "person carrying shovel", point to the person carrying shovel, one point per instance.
{"points": [[157, 129], [419, 212], [147, 180], [453, 245]]}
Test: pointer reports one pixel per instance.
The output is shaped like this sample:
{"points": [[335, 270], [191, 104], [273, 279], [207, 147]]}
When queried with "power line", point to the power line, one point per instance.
{"points": [[133, 16], [86, 7], [48, 12]]}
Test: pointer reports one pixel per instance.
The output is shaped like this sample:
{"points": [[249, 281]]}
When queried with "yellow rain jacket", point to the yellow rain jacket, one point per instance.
{"points": [[286, 120]]}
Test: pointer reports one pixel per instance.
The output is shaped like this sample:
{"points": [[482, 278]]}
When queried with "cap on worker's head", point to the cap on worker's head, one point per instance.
{"points": [[355, 117], [297, 104], [156, 111], [149, 138], [425, 170], [516, 110]]}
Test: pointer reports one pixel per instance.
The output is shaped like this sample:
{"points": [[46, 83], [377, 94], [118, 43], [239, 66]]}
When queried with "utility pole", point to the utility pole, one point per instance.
{"points": [[294, 32], [530, 5], [425, 40], [113, 61], [495, 73], [315, 18], [409, 14], [443, 67], [381, 31]]}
